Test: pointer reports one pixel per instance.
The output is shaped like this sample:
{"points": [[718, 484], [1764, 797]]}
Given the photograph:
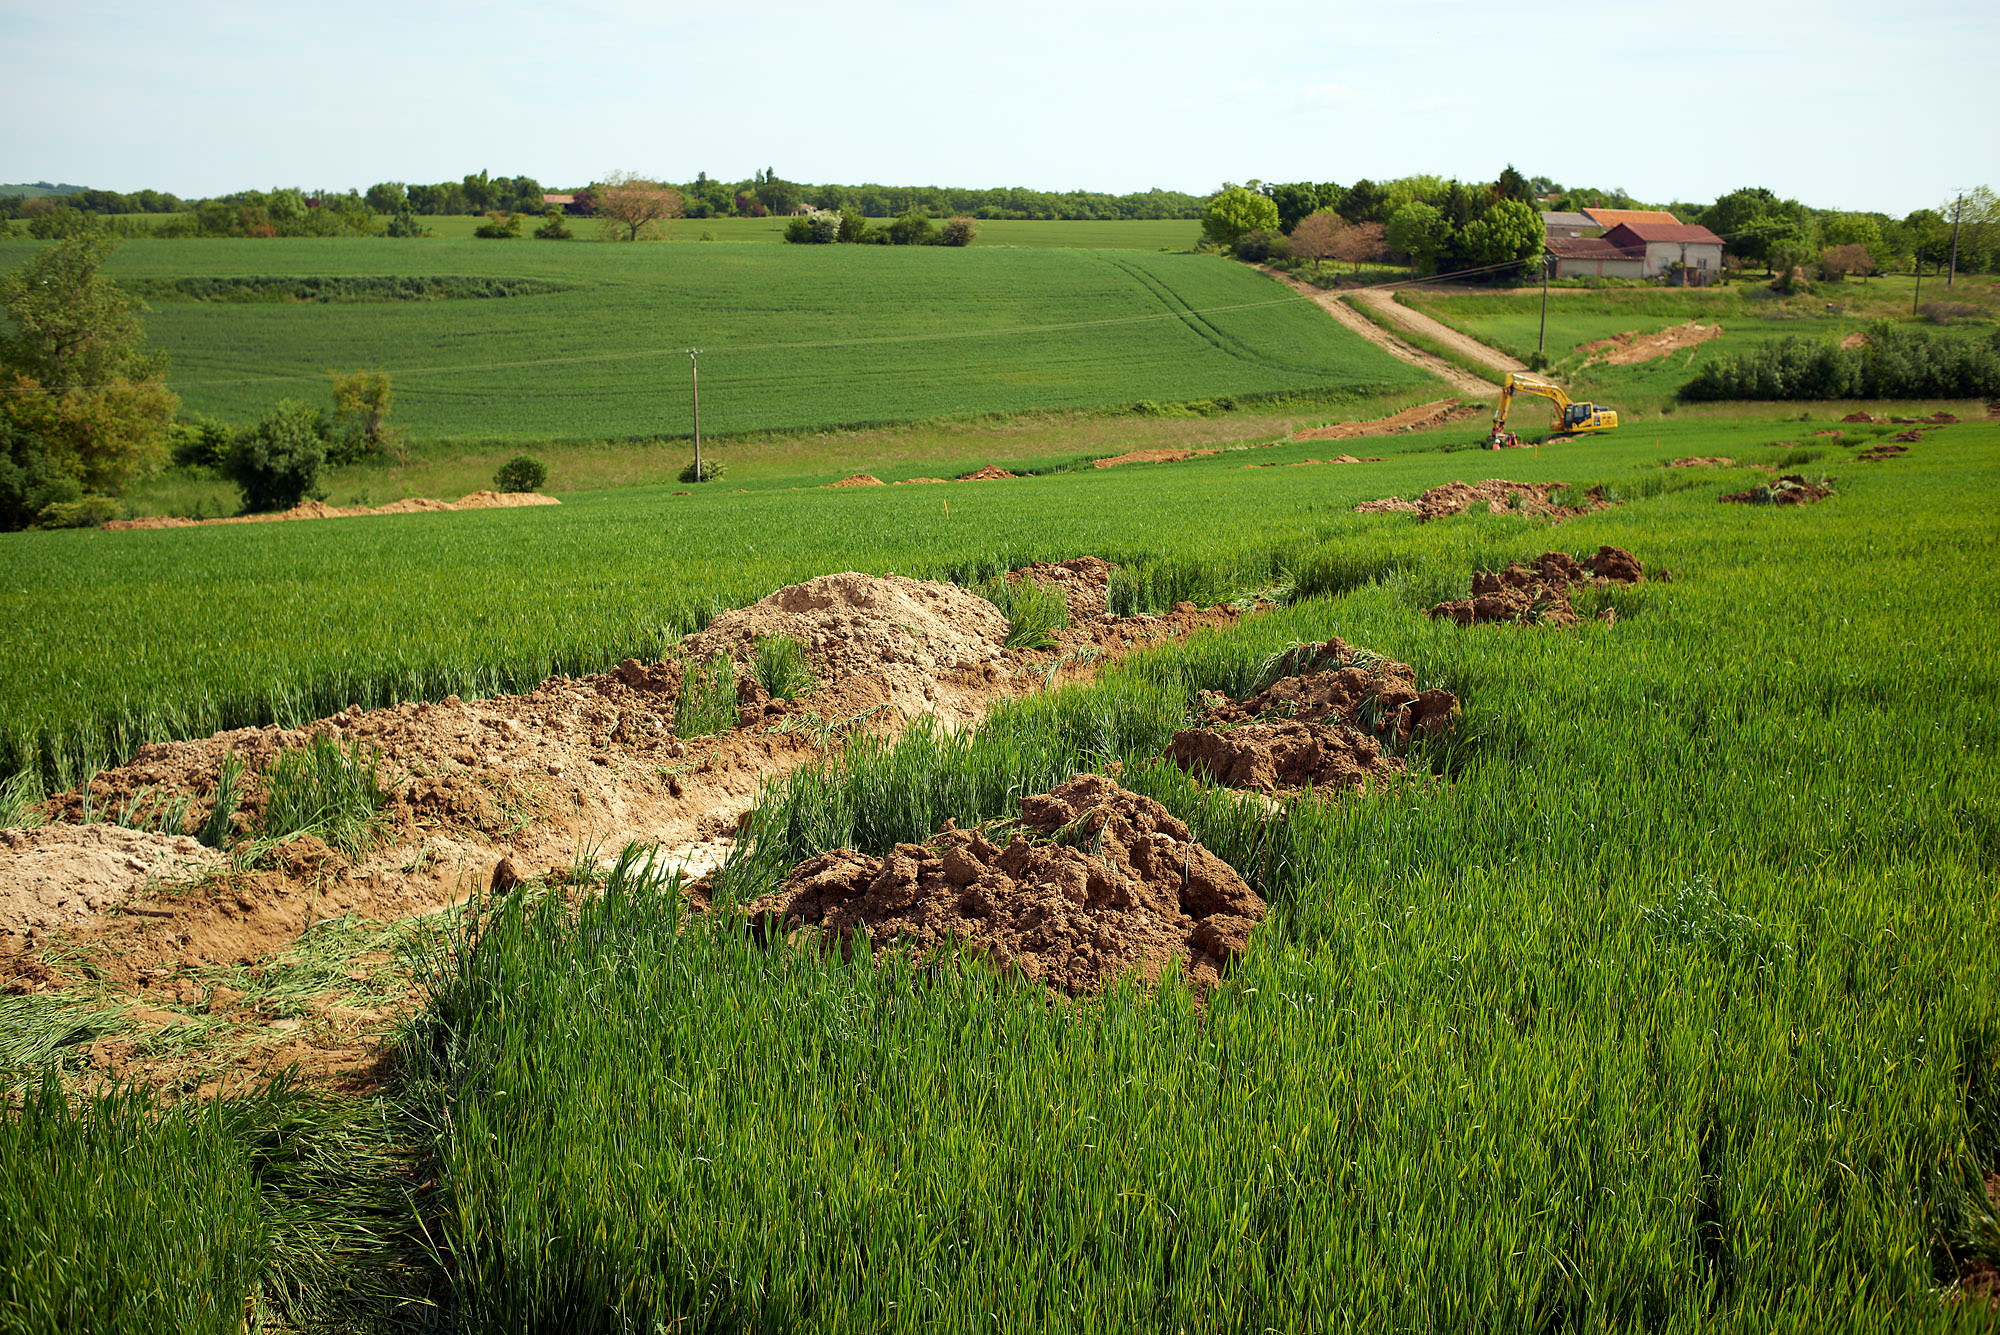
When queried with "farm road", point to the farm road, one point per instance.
{"points": [[1461, 381], [1385, 303]]}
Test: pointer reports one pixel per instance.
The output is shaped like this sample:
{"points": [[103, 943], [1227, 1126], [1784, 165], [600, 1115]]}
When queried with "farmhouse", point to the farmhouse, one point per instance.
{"points": [[1593, 257], [1662, 246], [1570, 224]]}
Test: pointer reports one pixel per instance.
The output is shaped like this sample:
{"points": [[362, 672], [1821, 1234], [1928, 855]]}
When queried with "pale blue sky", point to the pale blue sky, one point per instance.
{"points": [[1840, 104]]}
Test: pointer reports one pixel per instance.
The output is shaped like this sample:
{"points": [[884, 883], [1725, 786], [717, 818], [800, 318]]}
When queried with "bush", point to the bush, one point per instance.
{"points": [[521, 473], [1260, 245], [499, 227], [1896, 362], [30, 481], [406, 223], [825, 227], [958, 232], [553, 228], [711, 471], [198, 443], [277, 462], [913, 229], [1948, 312], [86, 512], [799, 232], [853, 227]]}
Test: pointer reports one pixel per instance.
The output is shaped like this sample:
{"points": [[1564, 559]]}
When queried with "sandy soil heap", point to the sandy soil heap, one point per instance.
{"points": [[1097, 883], [1704, 461], [1877, 453], [1162, 456], [478, 500], [1331, 723], [1539, 594], [1632, 346], [1423, 417], [857, 480], [1791, 489], [987, 474], [1500, 497], [59, 875]]}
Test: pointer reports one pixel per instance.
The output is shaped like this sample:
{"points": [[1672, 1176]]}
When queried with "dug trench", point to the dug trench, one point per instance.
{"points": [[495, 792]]}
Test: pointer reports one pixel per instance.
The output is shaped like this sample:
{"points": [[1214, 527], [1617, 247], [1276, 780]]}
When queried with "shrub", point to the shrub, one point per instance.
{"points": [[84, 512], [799, 232], [499, 227], [1260, 245], [277, 462], [711, 471], [1896, 362], [553, 228], [782, 669], [521, 473], [406, 223], [913, 229], [1948, 312], [958, 232], [30, 480], [199, 442], [853, 226]]}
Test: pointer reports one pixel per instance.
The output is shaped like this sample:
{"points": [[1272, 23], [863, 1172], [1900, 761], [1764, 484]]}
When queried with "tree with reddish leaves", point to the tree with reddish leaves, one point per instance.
{"points": [[634, 206], [1358, 243], [1313, 237]]}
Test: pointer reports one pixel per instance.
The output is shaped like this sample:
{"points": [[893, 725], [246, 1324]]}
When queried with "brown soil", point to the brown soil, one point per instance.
{"points": [[1633, 346], [1151, 457], [1084, 582], [478, 500], [1385, 304], [60, 875], [1332, 724], [914, 481], [1857, 339], [1096, 883], [1791, 489], [1460, 380], [1500, 497], [1539, 594], [1831, 435], [1423, 417], [1877, 453], [987, 474], [1941, 419], [857, 480], [1704, 461], [1857, 417], [531, 779]]}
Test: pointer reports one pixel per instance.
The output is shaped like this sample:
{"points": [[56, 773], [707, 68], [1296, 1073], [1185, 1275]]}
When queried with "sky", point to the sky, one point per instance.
{"points": [[1835, 103]]}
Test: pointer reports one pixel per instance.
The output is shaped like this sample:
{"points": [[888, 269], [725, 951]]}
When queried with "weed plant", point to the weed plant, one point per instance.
{"points": [[1034, 611], [782, 669], [219, 826], [707, 702], [325, 790]]}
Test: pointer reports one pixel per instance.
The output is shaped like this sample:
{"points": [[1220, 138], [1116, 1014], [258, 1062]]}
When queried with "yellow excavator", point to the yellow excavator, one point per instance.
{"points": [[1571, 417]]}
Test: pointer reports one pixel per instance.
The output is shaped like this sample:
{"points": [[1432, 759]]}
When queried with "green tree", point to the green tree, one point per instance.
{"points": [[277, 462], [1512, 185], [1295, 200], [361, 404], [1510, 230], [1419, 232], [1235, 211], [87, 401], [386, 197]]}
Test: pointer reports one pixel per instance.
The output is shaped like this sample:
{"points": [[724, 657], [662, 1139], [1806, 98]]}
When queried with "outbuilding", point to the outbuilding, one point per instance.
{"points": [[1694, 249], [1594, 257]]}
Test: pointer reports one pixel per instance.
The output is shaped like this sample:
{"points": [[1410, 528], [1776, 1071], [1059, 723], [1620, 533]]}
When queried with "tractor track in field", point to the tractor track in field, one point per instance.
{"points": [[1385, 304], [1460, 380]]}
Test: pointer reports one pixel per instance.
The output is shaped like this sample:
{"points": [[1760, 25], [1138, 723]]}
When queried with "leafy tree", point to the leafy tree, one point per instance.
{"points": [[1362, 202], [1419, 232], [277, 462], [1510, 230], [1295, 201], [406, 223], [634, 206], [523, 472], [361, 404], [1929, 232], [386, 197], [499, 227], [1512, 185], [912, 229], [958, 232], [30, 480], [553, 227], [1314, 235], [1753, 222], [1236, 211], [1358, 243], [1840, 261], [90, 404], [53, 221]]}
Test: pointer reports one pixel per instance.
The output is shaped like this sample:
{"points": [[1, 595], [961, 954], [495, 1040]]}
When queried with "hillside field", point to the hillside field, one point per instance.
{"points": [[792, 336]]}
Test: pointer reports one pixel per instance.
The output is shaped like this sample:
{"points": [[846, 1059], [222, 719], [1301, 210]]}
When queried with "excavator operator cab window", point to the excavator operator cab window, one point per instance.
{"points": [[1578, 414]]}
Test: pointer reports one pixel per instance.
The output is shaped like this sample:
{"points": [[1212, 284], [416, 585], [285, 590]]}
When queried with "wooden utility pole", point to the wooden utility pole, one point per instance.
{"points": [[694, 383], [1542, 339]]}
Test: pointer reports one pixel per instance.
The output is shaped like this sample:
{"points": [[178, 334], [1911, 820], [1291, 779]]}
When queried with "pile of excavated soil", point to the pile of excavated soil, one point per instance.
{"points": [[1098, 883], [1423, 417], [1877, 453], [478, 500], [1632, 346], [857, 480], [1703, 461], [1083, 581], [1791, 489], [1539, 594], [1857, 417], [1501, 497], [1151, 457], [1331, 723], [1830, 435], [917, 481], [1857, 339], [54, 876], [911, 636], [987, 474]]}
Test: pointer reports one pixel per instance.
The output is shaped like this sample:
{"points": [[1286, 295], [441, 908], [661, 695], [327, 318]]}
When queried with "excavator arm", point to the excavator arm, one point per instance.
{"points": [[1571, 416]]}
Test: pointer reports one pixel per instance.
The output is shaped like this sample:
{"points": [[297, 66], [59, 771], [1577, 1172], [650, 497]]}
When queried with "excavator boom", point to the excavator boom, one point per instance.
{"points": [[1571, 416]]}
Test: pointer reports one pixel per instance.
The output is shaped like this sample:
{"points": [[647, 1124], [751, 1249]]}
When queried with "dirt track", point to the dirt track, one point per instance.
{"points": [[1461, 381], [1417, 322]]}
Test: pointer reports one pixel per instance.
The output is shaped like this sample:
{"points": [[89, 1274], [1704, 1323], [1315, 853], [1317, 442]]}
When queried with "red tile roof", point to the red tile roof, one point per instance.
{"points": [[1627, 233], [1613, 217]]}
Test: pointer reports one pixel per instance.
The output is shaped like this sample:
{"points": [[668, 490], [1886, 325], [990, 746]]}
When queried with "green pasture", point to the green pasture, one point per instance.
{"points": [[793, 336], [1748, 312], [1110, 234]]}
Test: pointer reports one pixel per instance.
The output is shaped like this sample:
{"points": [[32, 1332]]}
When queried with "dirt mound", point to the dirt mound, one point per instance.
{"points": [[1941, 419], [913, 636], [1830, 435], [1791, 489], [856, 480], [1096, 884], [1500, 497], [1329, 724], [1632, 346], [1877, 453], [1703, 461], [1539, 594], [1423, 417], [1857, 417], [478, 500], [1151, 457], [54, 876], [987, 474], [1083, 581], [916, 481]]}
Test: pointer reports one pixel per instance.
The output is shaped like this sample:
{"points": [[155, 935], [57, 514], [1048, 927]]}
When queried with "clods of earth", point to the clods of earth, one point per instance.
{"points": [[1496, 494], [1423, 417], [1539, 594], [478, 500], [1791, 489]]}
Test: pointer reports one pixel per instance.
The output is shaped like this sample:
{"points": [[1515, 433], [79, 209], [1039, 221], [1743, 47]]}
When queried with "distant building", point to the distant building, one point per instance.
{"points": [[1569, 224], [1662, 246], [564, 202], [1610, 218], [1594, 257]]}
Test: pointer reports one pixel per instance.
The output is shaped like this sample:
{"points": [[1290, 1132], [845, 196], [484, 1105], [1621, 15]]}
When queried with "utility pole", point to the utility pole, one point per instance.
{"points": [[694, 383], [1916, 302], [1542, 339], [1956, 214]]}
